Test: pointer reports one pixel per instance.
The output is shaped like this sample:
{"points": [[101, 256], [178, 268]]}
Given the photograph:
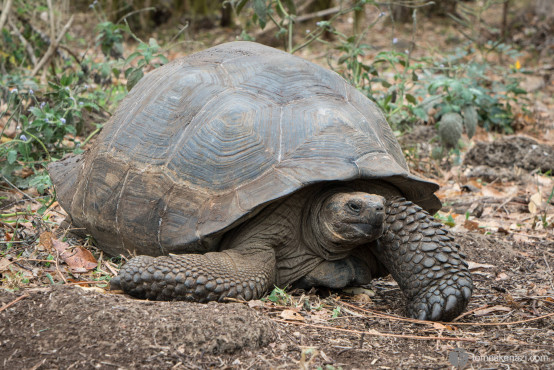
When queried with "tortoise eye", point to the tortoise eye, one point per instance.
{"points": [[354, 207]]}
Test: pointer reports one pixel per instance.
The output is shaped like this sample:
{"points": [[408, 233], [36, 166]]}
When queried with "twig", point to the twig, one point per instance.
{"points": [[89, 282], [18, 190], [13, 302], [449, 323], [504, 323], [58, 267], [321, 13], [503, 204], [53, 46], [387, 316], [376, 333], [27, 46], [51, 19], [5, 11]]}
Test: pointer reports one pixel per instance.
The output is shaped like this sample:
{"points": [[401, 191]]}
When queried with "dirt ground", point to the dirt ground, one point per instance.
{"points": [[55, 312], [73, 327]]}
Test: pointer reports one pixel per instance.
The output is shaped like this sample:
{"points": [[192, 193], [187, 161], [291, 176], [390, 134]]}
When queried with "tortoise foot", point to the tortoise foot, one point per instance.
{"points": [[425, 261], [442, 302]]}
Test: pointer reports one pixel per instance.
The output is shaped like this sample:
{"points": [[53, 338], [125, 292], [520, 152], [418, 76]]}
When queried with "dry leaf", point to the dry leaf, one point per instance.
{"points": [[488, 310], [502, 276], [472, 225], [46, 240], [359, 290], [4, 262], [78, 259], [291, 315], [535, 203], [256, 303], [93, 289], [361, 298], [439, 326], [475, 266]]}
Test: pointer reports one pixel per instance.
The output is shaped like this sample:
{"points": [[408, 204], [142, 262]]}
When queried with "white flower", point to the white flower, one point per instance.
{"points": [[395, 40], [62, 120], [31, 91], [42, 104], [14, 91], [23, 137]]}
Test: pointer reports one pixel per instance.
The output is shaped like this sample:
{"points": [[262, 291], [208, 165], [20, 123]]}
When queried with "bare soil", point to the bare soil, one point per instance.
{"points": [[74, 327]]}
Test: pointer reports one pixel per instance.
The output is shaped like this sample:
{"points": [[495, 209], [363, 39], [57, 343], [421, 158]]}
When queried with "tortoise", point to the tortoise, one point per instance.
{"points": [[242, 167]]}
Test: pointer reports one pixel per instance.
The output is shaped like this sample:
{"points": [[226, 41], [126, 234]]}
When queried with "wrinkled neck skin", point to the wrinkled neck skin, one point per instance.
{"points": [[318, 232]]}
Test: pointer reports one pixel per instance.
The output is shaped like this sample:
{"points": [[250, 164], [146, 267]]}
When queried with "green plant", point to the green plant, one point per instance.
{"points": [[445, 219], [283, 14], [43, 122], [279, 296], [464, 94], [147, 55]]}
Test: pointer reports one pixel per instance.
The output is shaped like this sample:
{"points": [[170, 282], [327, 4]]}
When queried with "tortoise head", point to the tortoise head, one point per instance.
{"points": [[351, 218]]}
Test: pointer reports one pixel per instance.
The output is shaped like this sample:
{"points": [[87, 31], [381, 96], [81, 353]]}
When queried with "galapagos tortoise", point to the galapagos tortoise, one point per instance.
{"points": [[258, 168]]}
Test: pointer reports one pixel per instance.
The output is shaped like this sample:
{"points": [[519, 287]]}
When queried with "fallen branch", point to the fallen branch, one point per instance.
{"points": [[5, 11], [375, 333], [52, 48], [13, 302]]}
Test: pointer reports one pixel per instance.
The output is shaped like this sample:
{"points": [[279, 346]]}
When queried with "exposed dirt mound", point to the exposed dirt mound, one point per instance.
{"points": [[67, 326], [512, 151]]}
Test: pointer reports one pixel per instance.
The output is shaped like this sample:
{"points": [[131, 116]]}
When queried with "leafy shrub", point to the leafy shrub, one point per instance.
{"points": [[49, 118]]}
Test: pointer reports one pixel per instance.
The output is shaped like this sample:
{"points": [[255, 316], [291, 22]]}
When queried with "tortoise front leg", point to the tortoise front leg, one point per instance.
{"points": [[199, 277], [425, 261]]}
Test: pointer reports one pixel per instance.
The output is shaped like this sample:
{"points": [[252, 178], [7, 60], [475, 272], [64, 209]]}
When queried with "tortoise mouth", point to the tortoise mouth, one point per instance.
{"points": [[370, 229]]}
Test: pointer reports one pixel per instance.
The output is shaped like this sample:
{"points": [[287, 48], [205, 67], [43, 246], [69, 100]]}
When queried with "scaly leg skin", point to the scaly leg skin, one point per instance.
{"points": [[336, 274], [425, 261], [198, 277]]}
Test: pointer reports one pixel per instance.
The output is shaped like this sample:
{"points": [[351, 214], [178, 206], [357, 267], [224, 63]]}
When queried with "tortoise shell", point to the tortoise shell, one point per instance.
{"points": [[204, 142]]}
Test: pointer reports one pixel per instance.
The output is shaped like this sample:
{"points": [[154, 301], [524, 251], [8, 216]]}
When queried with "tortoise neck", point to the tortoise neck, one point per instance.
{"points": [[318, 236]]}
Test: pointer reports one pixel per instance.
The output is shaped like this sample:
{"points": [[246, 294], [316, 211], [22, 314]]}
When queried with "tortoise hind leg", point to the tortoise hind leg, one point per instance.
{"points": [[425, 262], [199, 277]]}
